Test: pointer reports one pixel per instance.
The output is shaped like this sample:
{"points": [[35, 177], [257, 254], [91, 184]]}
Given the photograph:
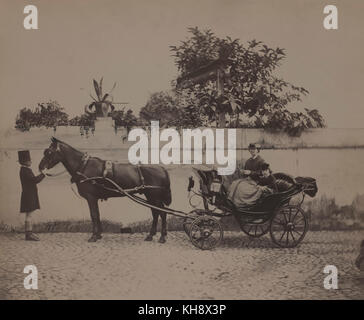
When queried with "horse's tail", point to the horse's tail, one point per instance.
{"points": [[167, 196]]}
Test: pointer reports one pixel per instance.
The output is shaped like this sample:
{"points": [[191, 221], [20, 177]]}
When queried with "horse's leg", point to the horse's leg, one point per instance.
{"points": [[153, 229], [98, 221], [95, 217], [162, 239]]}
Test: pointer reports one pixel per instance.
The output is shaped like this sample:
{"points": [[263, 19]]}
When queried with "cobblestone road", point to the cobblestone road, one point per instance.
{"points": [[126, 267]]}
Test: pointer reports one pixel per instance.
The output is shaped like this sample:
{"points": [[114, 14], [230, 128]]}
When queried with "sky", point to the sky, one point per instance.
{"points": [[128, 42]]}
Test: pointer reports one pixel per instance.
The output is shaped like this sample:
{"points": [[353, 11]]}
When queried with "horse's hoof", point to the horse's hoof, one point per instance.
{"points": [[148, 238], [93, 238], [162, 240]]}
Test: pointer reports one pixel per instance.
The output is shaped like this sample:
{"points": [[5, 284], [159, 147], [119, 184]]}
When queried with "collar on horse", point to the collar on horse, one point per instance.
{"points": [[81, 168]]}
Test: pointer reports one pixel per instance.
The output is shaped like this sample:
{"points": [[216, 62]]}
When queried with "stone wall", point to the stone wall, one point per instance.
{"points": [[335, 157]]}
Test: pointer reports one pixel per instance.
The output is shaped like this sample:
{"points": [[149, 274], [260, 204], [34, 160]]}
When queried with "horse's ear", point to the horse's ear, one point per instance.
{"points": [[54, 140]]}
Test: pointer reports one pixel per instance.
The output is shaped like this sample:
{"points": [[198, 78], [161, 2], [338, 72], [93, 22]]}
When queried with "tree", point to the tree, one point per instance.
{"points": [[84, 120], [47, 114], [251, 87], [124, 119], [161, 107]]}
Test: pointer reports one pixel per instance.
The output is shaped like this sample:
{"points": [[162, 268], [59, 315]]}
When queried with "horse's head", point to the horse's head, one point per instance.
{"points": [[52, 155]]}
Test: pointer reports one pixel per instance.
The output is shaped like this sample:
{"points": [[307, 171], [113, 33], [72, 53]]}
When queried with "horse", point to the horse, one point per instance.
{"points": [[83, 167]]}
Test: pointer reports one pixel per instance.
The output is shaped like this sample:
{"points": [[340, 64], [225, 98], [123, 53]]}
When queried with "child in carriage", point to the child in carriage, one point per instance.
{"points": [[267, 179]]}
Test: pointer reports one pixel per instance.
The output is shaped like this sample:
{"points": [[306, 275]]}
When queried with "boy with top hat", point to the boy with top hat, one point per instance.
{"points": [[29, 196]]}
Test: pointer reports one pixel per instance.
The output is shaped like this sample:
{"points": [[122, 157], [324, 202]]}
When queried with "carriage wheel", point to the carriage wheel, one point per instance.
{"points": [[288, 226], [187, 226], [187, 221], [206, 233], [255, 230]]}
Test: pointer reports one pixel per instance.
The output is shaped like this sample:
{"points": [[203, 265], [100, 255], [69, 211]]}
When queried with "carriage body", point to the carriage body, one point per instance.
{"points": [[287, 223]]}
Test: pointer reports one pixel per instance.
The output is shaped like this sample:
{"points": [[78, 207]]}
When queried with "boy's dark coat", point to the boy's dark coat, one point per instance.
{"points": [[29, 196]]}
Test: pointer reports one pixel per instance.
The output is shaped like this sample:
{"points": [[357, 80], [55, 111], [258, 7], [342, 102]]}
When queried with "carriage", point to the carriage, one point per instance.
{"points": [[286, 222]]}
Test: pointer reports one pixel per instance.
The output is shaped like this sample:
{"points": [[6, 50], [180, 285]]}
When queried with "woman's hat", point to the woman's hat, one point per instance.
{"points": [[254, 146], [24, 156]]}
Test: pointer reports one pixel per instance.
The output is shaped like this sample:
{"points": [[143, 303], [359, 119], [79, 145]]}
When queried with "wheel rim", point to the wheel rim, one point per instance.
{"points": [[288, 226], [255, 230], [206, 233], [187, 226]]}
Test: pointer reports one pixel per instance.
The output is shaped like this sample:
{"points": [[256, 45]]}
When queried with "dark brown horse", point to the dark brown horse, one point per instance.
{"points": [[80, 166]]}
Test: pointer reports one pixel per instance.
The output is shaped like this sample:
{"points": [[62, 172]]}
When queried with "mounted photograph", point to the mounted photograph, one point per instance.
{"points": [[181, 150]]}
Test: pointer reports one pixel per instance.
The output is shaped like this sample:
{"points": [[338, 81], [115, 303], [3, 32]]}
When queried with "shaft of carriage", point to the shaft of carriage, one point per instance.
{"points": [[204, 230]]}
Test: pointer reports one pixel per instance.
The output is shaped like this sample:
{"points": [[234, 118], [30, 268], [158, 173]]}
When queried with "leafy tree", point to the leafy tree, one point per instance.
{"points": [[171, 110], [46, 114], [161, 106], [24, 119], [251, 87], [84, 120], [124, 119]]}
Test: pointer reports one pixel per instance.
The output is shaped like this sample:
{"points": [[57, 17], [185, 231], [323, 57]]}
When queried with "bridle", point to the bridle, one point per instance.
{"points": [[78, 172], [46, 156]]}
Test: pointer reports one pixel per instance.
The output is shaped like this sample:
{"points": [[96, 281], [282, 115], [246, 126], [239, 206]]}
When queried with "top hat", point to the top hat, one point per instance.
{"points": [[24, 156]]}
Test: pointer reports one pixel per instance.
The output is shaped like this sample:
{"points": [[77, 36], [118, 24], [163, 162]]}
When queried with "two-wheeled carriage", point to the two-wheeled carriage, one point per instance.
{"points": [[287, 223]]}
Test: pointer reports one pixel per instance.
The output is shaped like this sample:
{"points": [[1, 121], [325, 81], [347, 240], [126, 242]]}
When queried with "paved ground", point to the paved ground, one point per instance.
{"points": [[126, 267]]}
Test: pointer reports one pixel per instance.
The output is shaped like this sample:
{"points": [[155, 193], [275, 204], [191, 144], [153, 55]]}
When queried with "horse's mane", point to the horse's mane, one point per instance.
{"points": [[72, 148], [66, 144]]}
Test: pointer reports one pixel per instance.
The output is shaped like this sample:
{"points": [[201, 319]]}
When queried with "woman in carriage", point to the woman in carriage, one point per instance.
{"points": [[247, 191], [254, 181]]}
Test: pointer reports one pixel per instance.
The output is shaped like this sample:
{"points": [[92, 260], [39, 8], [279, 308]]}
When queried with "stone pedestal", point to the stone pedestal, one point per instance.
{"points": [[104, 124]]}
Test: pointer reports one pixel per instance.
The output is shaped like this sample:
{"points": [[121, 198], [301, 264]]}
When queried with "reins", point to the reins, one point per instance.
{"points": [[55, 174]]}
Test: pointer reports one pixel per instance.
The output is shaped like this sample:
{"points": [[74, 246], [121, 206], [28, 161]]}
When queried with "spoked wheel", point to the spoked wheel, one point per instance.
{"points": [[255, 230], [288, 226], [187, 226], [206, 233], [188, 221]]}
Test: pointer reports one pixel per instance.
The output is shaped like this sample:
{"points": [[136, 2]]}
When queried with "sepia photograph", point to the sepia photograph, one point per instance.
{"points": [[181, 150]]}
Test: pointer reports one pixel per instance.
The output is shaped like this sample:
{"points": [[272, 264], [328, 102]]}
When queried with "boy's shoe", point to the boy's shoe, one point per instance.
{"points": [[29, 236]]}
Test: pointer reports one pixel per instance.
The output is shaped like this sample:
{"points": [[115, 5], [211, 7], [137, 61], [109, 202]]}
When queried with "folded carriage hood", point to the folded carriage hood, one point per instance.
{"points": [[309, 183]]}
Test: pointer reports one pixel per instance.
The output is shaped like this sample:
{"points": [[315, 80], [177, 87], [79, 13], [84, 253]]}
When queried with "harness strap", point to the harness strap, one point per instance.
{"points": [[141, 176], [135, 189], [84, 161], [108, 168]]}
